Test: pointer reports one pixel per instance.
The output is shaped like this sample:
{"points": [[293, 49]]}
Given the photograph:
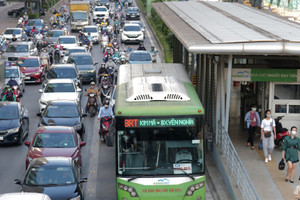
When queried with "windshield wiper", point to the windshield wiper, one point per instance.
{"points": [[188, 174]]}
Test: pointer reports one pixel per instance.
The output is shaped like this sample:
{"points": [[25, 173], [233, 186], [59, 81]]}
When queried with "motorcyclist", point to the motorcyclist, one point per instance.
{"points": [[104, 38], [12, 82], [90, 38], [57, 53], [45, 58], [105, 111], [81, 36], [102, 71], [105, 81], [94, 90], [14, 38], [116, 55], [9, 96], [141, 47], [45, 30], [33, 30], [110, 64]]}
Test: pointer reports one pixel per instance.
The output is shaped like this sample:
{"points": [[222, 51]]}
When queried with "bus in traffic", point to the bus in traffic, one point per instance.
{"points": [[159, 134]]}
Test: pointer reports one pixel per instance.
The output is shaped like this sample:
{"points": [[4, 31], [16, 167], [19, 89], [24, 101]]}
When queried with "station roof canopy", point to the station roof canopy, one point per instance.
{"points": [[229, 28]]}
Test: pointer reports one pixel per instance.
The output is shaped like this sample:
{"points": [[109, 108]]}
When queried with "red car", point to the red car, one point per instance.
{"points": [[32, 68], [50, 141]]}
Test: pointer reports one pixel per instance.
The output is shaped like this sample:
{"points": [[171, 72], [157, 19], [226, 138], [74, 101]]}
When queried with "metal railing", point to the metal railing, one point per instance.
{"points": [[235, 165]]}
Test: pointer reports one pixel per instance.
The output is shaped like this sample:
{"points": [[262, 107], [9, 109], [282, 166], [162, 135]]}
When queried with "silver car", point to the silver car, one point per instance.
{"points": [[15, 73], [16, 50]]}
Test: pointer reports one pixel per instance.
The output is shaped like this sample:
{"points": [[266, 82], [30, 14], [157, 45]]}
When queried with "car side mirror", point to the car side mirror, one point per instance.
{"points": [[96, 63], [82, 144], [19, 182], [40, 90], [27, 143], [84, 115], [121, 30], [83, 180], [78, 90], [39, 114]]}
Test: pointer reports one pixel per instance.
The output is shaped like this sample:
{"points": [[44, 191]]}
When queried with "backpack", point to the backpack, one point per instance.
{"points": [[9, 96]]}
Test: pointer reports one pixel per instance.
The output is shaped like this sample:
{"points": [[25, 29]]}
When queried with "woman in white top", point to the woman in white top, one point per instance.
{"points": [[268, 135]]}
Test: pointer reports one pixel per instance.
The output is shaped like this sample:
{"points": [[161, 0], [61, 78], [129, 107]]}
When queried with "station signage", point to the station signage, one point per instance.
{"points": [[159, 122]]}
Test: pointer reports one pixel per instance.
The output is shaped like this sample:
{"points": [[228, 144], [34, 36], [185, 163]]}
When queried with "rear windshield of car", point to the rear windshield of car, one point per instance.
{"points": [[11, 73], [140, 57], [81, 60], [54, 34], [67, 40], [68, 52], [59, 87], [33, 23], [12, 31], [61, 111], [54, 140], [17, 48], [90, 30], [101, 9], [61, 73], [132, 28], [8, 113], [28, 63]]}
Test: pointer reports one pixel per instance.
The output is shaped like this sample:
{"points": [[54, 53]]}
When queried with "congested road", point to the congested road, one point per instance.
{"points": [[98, 159]]}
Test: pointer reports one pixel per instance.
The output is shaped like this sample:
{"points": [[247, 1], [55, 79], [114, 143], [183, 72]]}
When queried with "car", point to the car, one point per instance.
{"points": [[85, 64], [57, 89], [24, 196], [38, 23], [132, 33], [103, 3], [16, 50], [63, 113], [63, 71], [18, 32], [140, 24], [51, 141], [140, 57], [100, 12], [73, 50], [132, 13], [130, 2], [16, 12], [2, 2], [53, 35], [32, 68], [94, 30], [16, 73], [14, 122], [68, 41], [57, 177]]}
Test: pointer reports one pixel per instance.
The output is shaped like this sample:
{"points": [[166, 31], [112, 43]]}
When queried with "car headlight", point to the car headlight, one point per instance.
{"points": [[38, 72], [138, 14], [139, 35], [129, 189], [193, 188], [76, 198], [43, 102], [77, 127], [13, 130]]}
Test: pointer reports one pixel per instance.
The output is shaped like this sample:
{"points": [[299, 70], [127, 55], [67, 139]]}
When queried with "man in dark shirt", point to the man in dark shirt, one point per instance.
{"points": [[102, 71]]}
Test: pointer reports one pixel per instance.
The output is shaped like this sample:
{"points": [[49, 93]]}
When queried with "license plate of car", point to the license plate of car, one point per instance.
{"points": [[1, 138], [27, 78]]}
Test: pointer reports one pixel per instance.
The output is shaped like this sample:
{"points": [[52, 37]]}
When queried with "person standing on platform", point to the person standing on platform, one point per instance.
{"points": [[252, 119], [268, 135]]}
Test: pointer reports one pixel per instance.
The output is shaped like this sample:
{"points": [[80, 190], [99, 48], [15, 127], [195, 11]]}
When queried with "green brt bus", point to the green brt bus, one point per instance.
{"points": [[159, 134]]}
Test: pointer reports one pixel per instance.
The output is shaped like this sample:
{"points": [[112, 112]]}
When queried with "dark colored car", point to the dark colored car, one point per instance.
{"points": [[51, 141], [2, 2], [85, 64], [16, 12], [63, 113], [63, 71], [103, 3], [58, 177], [14, 122], [32, 68], [133, 13], [53, 35]]}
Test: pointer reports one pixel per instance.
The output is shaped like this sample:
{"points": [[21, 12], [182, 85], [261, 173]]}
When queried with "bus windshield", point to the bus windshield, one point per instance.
{"points": [[163, 149]]}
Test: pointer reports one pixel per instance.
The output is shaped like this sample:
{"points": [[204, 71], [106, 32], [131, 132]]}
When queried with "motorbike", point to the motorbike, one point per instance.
{"points": [[16, 92], [39, 45], [115, 45], [56, 56], [105, 135], [51, 58], [104, 44], [20, 22], [153, 56], [105, 93], [92, 104], [111, 74], [281, 132]]}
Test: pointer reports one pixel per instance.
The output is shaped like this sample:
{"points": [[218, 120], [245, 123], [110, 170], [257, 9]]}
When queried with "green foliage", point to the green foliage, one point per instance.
{"points": [[164, 35], [143, 5], [33, 16]]}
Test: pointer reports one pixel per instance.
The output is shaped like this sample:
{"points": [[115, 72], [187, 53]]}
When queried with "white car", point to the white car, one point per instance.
{"points": [[17, 75], [67, 42], [132, 33], [100, 12], [24, 196], [94, 30], [59, 89], [73, 50], [9, 32]]}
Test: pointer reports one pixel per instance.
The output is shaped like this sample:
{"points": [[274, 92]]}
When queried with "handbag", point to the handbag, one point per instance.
{"points": [[260, 146], [281, 165], [267, 134]]}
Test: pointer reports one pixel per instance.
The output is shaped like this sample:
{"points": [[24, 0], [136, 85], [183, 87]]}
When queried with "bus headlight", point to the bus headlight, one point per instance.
{"points": [[193, 188], [129, 189]]}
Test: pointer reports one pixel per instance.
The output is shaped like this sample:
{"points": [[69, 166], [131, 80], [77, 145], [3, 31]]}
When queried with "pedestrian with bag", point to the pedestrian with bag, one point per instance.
{"points": [[290, 148], [268, 135], [252, 119]]}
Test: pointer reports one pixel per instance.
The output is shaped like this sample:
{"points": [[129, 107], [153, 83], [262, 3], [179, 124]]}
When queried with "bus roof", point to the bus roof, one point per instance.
{"points": [[155, 90]]}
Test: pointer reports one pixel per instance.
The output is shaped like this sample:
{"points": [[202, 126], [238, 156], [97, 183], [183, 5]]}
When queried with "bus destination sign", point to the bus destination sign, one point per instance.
{"points": [[167, 122]]}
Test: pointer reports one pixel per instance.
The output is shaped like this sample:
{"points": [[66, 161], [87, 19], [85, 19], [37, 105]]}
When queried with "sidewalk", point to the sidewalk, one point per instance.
{"points": [[267, 179]]}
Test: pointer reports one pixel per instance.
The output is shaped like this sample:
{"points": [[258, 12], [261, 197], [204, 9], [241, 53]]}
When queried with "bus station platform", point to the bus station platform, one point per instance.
{"points": [[267, 179]]}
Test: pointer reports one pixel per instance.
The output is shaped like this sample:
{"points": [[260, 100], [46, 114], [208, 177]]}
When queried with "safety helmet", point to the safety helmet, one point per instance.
{"points": [[105, 75], [93, 83], [109, 45], [106, 102]]}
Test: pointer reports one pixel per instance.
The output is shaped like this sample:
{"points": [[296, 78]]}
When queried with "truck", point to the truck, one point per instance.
{"points": [[79, 14]]}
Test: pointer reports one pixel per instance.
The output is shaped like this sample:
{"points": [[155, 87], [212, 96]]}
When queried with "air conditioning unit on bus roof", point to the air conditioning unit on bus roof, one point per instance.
{"points": [[156, 88]]}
